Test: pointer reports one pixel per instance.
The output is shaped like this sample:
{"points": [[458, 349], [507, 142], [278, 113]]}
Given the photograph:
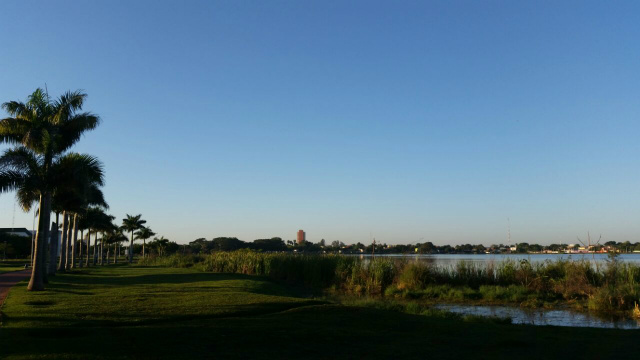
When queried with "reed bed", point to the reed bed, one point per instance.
{"points": [[611, 287]]}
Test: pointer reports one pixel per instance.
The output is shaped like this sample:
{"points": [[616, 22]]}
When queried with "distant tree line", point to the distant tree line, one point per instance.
{"points": [[203, 245], [14, 246]]}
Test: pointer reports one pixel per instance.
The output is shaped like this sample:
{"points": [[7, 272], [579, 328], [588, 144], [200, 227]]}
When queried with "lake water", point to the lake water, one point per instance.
{"points": [[528, 316], [452, 259], [542, 317]]}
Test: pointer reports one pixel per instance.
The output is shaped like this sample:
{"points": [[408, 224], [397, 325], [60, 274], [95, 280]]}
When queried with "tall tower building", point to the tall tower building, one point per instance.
{"points": [[301, 237]]}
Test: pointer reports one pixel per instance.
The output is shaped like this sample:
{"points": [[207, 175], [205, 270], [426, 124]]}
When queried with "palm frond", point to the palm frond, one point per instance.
{"points": [[16, 108], [67, 104], [95, 197], [74, 167], [12, 130], [10, 180], [132, 223], [26, 197], [21, 159], [144, 233], [72, 129]]}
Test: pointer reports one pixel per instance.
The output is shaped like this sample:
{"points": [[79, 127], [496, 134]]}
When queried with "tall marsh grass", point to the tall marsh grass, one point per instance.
{"points": [[614, 286]]}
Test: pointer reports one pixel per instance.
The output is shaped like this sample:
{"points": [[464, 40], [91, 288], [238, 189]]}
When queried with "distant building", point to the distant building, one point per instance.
{"points": [[28, 234], [300, 239], [16, 231]]}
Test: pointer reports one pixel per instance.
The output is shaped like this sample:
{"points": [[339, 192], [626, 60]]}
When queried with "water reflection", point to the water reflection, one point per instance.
{"points": [[542, 317], [452, 259]]}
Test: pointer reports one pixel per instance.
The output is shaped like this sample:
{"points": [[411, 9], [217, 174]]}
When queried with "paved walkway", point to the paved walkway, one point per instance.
{"points": [[7, 280]]}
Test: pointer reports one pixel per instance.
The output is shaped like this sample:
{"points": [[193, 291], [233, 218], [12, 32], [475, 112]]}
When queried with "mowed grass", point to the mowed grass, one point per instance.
{"points": [[12, 265], [121, 312], [122, 295]]}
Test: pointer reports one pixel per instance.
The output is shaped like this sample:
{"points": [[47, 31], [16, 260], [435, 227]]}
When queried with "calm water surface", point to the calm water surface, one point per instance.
{"points": [[529, 316], [542, 317], [449, 259]]}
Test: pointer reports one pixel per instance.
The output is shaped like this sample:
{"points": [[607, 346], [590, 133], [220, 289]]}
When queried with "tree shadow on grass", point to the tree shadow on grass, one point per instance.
{"points": [[74, 292], [258, 284], [145, 279], [320, 332], [89, 320]]}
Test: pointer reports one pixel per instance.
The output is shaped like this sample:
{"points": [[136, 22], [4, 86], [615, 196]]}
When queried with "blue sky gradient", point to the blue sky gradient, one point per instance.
{"points": [[414, 120]]}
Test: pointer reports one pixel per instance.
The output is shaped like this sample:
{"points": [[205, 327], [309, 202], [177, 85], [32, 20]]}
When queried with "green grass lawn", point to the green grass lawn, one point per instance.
{"points": [[133, 312], [12, 265]]}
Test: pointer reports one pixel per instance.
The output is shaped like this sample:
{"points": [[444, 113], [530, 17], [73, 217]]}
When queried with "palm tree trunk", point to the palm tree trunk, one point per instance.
{"points": [[38, 273], [75, 239], [81, 245], [144, 242], [33, 247], [67, 256], [102, 250], [47, 251], [95, 249], [88, 246], [63, 245], [115, 253], [53, 246], [131, 249]]}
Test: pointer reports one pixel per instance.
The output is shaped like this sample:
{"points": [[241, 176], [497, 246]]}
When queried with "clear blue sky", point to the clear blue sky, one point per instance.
{"points": [[432, 120]]}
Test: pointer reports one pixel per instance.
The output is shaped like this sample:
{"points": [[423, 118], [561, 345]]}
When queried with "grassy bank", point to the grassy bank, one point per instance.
{"points": [[12, 265], [612, 288], [121, 312]]}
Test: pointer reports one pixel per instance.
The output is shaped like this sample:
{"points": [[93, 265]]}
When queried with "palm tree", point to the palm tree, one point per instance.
{"points": [[144, 233], [92, 197], [159, 244], [84, 192], [113, 236], [94, 216], [131, 224], [63, 242], [101, 223], [48, 128], [73, 176], [56, 206], [105, 226]]}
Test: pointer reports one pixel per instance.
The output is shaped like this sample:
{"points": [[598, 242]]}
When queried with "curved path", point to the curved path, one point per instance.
{"points": [[7, 280]]}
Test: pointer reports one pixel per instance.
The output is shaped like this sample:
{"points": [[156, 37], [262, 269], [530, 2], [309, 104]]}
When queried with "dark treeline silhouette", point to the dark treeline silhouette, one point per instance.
{"points": [[14, 246], [203, 246]]}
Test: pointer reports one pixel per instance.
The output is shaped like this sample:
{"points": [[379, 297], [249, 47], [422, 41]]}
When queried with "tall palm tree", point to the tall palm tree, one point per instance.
{"points": [[92, 219], [48, 128], [63, 242], [107, 238], [74, 181], [131, 224], [57, 241], [144, 233], [104, 226], [114, 236], [92, 196], [99, 221]]}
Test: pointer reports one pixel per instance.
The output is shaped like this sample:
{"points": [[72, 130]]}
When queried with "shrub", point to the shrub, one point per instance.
{"points": [[614, 287]]}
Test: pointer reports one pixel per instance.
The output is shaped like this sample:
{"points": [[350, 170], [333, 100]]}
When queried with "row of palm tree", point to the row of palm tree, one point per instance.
{"points": [[96, 221], [41, 169]]}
